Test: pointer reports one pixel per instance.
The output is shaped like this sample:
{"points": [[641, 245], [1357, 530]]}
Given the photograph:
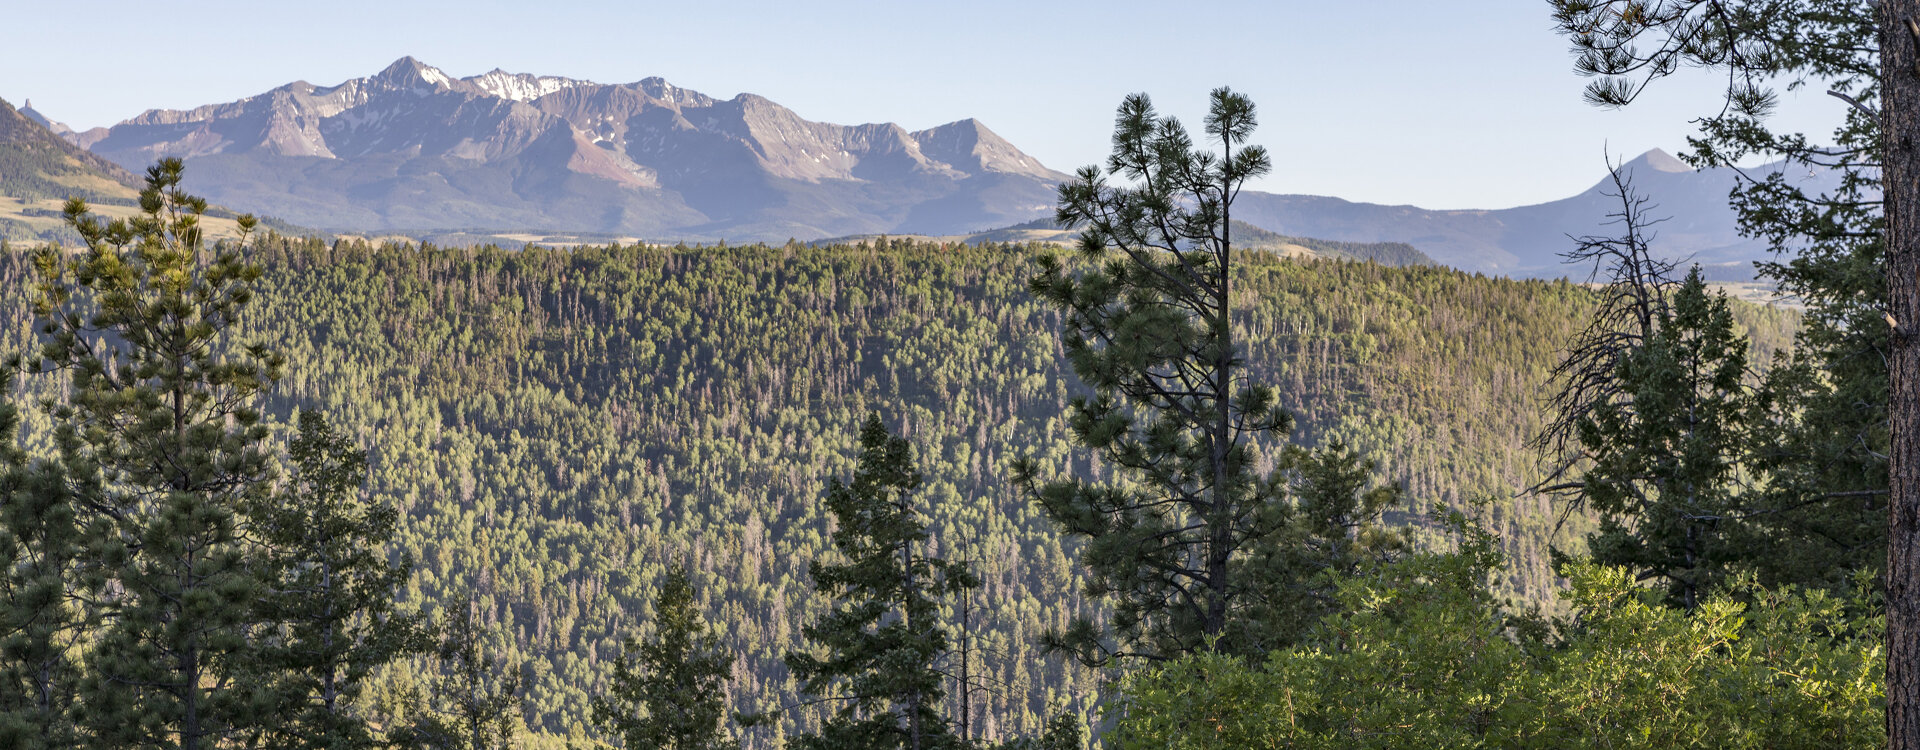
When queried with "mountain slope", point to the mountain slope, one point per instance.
{"points": [[36, 162], [412, 148], [560, 427], [40, 169]]}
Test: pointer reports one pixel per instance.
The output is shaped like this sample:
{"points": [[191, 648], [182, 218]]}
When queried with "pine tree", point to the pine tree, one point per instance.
{"points": [[328, 611], [884, 641], [1191, 550], [1825, 451], [1062, 732], [670, 692], [39, 626], [161, 442]]}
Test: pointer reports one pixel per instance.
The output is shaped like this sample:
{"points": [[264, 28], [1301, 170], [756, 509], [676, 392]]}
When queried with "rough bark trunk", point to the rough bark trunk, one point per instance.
{"points": [[1900, 129], [966, 667], [1221, 541], [906, 618], [190, 718]]}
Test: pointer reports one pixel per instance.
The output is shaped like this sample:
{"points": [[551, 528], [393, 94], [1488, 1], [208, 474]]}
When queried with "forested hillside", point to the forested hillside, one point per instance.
{"points": [[559, 427]]}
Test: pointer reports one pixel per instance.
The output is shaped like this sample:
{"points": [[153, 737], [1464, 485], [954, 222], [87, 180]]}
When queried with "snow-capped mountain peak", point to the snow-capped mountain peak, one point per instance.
{"points": [[407, 72]]}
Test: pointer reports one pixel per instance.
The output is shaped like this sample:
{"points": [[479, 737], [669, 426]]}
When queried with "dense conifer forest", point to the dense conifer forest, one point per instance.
{"points": [[559, 429]]}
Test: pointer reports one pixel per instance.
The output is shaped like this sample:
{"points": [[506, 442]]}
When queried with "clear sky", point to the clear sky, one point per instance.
{"points": [[1436, 103]]}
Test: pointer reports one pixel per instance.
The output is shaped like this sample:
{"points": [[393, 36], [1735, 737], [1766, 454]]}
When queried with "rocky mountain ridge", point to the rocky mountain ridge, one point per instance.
{"points": [[412, 147]]}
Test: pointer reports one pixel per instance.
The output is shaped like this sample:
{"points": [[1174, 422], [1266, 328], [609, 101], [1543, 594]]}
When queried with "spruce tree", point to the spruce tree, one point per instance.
{"points": [[161, 443], [1845, 464], [1824, 447], [1190, 549], [328, 610], [670, 692], [883, 643]]}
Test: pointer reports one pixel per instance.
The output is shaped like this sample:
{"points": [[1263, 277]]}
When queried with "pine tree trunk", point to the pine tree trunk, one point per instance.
{"points": [[1900, 127], [1221, 522], [189, 664], [190, 718], [908, 594], [966, 670]]}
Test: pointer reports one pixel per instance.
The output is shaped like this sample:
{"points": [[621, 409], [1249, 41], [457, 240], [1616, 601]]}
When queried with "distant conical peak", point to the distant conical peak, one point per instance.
{"points": [[1661, 161], [403, 65]]}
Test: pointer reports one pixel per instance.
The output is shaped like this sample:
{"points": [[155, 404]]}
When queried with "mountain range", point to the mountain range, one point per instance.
{"points": [[412, 149]]}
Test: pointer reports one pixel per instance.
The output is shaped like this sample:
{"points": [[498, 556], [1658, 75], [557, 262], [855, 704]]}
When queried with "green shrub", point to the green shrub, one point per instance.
{"points": [[1424, 657]]}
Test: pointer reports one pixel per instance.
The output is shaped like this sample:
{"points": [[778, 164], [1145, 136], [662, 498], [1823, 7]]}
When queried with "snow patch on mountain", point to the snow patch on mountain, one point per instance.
{"points": [[520, 87]]}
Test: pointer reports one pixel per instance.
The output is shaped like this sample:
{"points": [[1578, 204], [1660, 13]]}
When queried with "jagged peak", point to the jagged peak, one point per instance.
{"points": [[26, 110], [408, 71], [971, 146], [957, 129]]}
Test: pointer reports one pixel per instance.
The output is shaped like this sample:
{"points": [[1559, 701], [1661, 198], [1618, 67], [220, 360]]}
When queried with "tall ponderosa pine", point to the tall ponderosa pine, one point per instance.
{"points": [[884, 640], [328, 609], [1195, 545], [670, 692], [161, 445]]}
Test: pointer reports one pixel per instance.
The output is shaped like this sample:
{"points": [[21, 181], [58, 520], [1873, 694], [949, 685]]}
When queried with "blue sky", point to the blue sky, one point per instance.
{"points": [[1440, 104]]}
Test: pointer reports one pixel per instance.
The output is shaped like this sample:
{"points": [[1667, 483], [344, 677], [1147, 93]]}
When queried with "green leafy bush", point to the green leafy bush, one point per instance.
{"points": [[1423, 657]]}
